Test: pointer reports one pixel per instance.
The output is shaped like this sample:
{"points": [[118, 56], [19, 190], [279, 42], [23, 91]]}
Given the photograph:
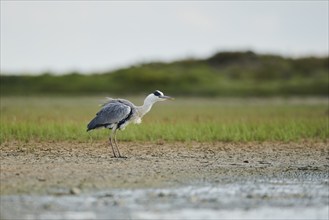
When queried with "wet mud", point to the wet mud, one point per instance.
{"points": [[191, 180]]}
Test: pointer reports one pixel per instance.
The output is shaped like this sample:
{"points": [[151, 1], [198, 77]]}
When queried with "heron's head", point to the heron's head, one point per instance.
{"points": [[158, 96]]}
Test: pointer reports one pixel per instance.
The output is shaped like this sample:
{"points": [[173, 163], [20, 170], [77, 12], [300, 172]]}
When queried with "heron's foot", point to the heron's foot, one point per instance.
{"points": [[119, 157]]}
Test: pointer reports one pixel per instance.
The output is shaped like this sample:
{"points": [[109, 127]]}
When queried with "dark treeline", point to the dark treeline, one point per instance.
{"points": [[224, 74]]}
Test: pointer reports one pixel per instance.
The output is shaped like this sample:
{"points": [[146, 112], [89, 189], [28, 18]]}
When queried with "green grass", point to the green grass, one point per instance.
{"points": [[65, 118]]}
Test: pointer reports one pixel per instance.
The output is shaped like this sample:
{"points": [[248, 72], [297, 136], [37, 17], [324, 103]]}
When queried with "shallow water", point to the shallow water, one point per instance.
{"points": [[261, 199]]}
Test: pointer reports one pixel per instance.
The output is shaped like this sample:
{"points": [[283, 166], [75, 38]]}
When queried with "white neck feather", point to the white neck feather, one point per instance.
{"points": [[146, 107]]}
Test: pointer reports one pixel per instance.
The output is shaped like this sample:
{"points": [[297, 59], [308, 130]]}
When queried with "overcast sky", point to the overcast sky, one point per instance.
{"points": [[91, 36]]}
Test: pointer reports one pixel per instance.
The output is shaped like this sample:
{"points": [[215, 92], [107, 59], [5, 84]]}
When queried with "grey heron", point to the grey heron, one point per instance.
{"points": [[116, 114]]}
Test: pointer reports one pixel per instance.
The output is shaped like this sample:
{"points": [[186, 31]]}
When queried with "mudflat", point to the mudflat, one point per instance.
{"points": [[57, 167], [165, 180]]}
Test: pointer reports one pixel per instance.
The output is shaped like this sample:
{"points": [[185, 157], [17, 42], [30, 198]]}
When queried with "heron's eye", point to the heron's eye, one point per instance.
{"points": [[156, 93]]}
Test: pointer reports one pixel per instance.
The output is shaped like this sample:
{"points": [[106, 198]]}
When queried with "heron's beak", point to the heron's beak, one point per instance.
{"points": [[167, 97]]}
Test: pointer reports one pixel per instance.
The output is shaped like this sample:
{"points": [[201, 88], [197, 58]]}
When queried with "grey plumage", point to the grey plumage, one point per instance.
{"points": [[116, 114]]}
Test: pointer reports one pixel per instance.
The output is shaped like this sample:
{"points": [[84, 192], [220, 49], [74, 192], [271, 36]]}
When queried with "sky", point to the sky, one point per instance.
{"points": [[96, 36]]}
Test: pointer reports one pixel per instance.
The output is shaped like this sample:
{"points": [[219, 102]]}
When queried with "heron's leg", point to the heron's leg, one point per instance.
{"points": [[115, 141], [111, 143]]}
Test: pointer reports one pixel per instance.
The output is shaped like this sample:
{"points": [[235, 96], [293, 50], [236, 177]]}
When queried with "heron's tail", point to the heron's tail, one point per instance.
{"points": [[97, 123], [92, 124]]}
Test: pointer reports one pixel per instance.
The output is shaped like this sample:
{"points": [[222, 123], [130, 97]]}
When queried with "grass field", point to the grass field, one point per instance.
{"points": [[65, 118]]}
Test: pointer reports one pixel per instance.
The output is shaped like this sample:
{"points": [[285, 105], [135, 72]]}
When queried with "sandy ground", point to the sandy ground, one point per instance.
{"points": [[214, 170], [47, 167]]}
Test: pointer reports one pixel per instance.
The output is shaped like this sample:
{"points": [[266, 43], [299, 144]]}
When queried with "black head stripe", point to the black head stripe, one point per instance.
{"points": [[156, 93]]}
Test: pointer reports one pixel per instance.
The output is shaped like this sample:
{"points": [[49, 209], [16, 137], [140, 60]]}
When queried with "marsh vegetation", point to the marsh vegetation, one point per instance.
{"points": [[185, 119]]}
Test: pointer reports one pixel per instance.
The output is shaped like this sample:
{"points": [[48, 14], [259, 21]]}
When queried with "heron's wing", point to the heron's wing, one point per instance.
{"points": [[113, 112]]}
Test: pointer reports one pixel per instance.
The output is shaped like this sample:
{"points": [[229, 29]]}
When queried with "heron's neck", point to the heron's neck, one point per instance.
{"points": [[145, 108]]}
